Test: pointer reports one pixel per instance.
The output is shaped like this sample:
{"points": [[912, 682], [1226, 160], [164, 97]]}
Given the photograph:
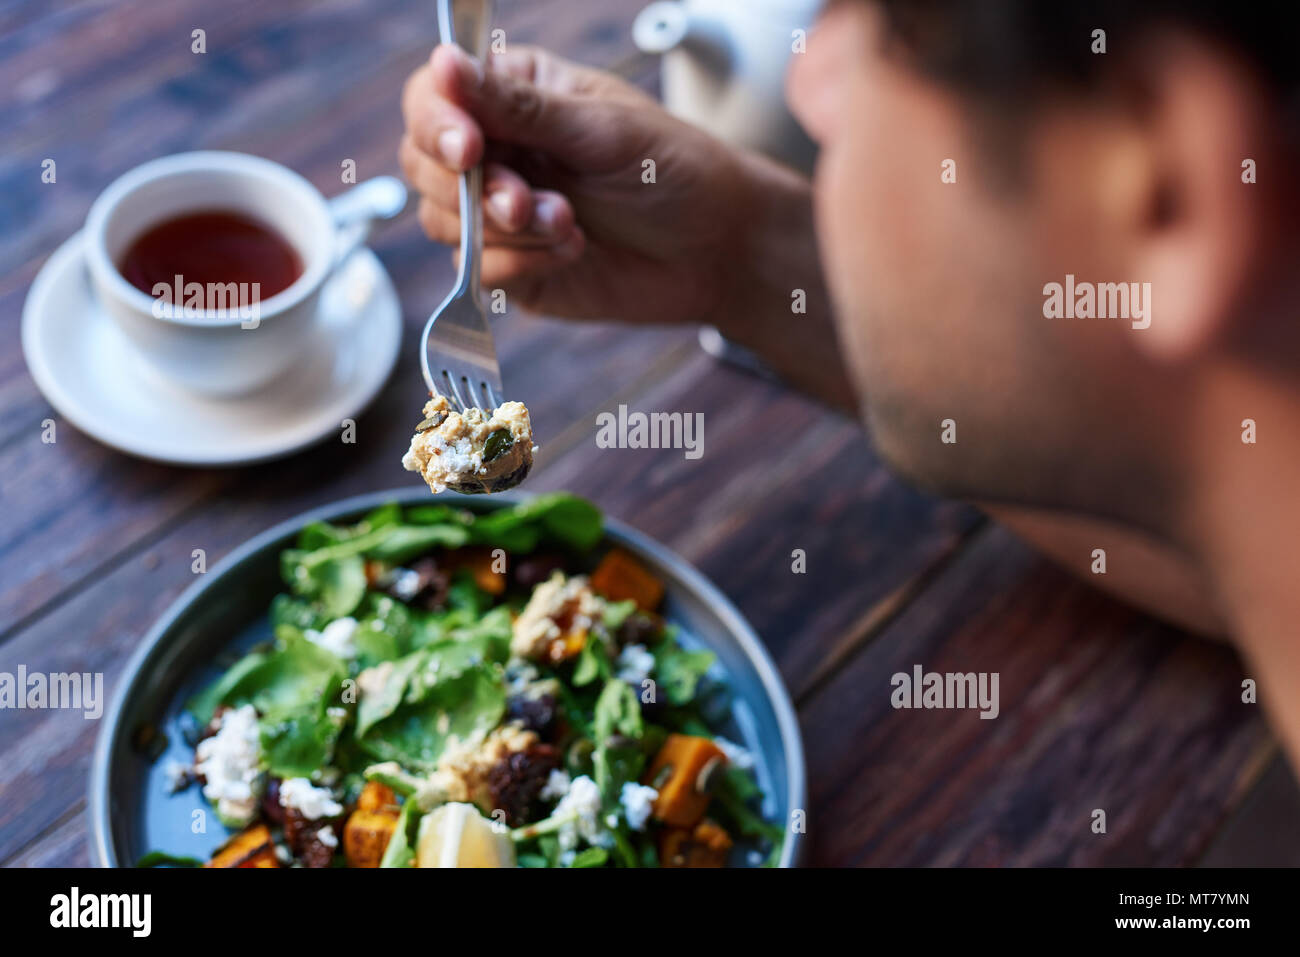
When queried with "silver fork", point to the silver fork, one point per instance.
{"points": [[457, 334]]}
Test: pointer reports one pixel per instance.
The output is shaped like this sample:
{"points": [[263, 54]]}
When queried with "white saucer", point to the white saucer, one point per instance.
{"points": [[93, 375]]}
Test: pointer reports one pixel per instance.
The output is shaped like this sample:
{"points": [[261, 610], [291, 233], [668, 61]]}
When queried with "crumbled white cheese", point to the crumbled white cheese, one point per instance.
{"points": [[737, 756], [337, 637], [228, 763], [405, 583], [556, 786], [176, 776], [458, 456], [637, 800], [327, 836], [583, 802], [635, 663], [311, 802]]}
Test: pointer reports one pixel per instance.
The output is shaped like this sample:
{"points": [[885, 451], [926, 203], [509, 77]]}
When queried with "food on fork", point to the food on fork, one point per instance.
{"points": [[474, 451]]}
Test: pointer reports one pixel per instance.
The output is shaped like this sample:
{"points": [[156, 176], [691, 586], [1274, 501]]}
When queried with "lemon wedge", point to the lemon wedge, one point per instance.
{"points": [[457, 835]]}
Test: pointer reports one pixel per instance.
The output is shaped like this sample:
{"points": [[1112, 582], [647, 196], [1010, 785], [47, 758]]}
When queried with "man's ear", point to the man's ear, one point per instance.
{"points": [[1209, 229]]}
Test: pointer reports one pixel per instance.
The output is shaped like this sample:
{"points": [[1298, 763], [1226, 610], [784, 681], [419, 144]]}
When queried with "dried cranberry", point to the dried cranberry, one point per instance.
{"points": [[433, 586], [514, 782], [301, 834], [539, 713], [532, 571], [639, 628], [272, 809]]}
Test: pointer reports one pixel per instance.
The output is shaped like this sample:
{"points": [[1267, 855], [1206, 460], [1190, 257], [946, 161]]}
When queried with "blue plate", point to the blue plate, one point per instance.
{"points": [[216, 619]]}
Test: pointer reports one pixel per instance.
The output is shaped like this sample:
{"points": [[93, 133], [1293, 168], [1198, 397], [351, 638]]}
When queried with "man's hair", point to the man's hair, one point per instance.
{"points": [[1010, 48]]}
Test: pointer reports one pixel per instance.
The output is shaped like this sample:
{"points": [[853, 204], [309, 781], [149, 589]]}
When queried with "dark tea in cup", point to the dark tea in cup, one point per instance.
{"points": [[211, 247]]}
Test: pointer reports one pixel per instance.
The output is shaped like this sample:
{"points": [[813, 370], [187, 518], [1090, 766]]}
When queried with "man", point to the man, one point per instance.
{"points": [[1078, 246]]}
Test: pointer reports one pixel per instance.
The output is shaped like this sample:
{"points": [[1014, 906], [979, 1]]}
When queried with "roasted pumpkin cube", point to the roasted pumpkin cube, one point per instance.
{"points": [[705, 845], [366, 835], [480, 564], [620, 577], [377, 797], [263, 858], [251, 847], [682, 772]]}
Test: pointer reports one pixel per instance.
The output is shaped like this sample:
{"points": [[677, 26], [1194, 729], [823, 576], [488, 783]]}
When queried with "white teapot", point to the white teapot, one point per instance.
{"points": [[724, 66]]}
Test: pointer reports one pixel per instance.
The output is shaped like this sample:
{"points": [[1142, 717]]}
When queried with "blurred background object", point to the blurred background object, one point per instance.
{"points": [[723, 69], [724, 66]]}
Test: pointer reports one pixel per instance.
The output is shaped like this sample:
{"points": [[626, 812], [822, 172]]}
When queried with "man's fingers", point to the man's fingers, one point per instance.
{"points": [[440, 129], [507, 200], [442, 224], [508, 203], [507, 103], [522, 272], [552, 216]]}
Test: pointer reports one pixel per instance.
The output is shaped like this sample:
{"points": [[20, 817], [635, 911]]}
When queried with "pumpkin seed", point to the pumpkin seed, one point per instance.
{"points": [[709, 775], [432, 422], [497, 444], [663, 777]]}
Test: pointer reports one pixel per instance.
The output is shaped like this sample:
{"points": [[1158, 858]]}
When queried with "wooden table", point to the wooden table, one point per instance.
{"points": [[1100, 707]]}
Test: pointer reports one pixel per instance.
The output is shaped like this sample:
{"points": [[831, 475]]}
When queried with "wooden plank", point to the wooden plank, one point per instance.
{"points": [[65, 844], [1101, 708]]}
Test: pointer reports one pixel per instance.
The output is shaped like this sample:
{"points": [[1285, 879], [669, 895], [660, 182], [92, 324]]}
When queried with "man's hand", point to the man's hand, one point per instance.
{"points": [[571, 227]]}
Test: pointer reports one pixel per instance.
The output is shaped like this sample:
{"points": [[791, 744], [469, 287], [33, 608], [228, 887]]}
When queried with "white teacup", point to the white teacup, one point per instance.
{"points": [[230, 354]]}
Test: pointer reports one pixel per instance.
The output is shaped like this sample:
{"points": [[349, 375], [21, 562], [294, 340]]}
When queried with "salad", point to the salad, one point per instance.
{"points": [[452, 689]]}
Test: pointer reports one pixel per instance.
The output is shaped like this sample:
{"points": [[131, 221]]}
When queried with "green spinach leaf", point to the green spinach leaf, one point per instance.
{"points": [[298, 746], [296, 677], [466, 708], [679, 671], [400, 851]]}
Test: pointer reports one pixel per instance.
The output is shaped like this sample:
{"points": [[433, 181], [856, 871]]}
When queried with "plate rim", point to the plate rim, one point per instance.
{"points": [[53, 393], [98, 797]]}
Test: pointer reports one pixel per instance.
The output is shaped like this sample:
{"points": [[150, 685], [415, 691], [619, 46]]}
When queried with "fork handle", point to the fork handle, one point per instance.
{"points": [[465, 22]]}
